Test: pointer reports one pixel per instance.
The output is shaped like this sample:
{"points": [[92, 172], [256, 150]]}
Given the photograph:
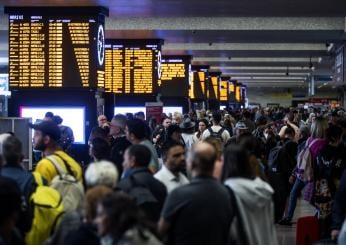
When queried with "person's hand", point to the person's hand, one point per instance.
{"points": [[334, 234], [291, 179]]}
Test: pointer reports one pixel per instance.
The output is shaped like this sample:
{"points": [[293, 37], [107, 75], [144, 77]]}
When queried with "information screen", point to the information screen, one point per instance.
{"points": [[174, 76], [214, 85], [73, 117], [198, 82], [56, 47], [232, 90], [132, 66], [224, 89]]}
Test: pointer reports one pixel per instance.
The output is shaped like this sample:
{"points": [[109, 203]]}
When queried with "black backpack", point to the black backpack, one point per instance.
{"points": [[216, 135], [279, 160], [145, 199]]}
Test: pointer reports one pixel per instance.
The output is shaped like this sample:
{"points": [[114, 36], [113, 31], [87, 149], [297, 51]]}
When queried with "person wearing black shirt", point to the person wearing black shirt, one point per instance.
{"points": [[119, 143], [199, 212], [139, 182]]}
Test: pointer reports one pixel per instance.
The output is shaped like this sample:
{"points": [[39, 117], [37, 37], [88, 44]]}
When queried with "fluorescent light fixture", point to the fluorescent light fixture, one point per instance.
{"points": [[254, 59], [223, 68]]}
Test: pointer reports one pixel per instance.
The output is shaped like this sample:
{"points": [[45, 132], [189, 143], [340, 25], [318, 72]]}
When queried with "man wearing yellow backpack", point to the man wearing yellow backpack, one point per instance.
{"points": [[42, 206], [61, 171]]}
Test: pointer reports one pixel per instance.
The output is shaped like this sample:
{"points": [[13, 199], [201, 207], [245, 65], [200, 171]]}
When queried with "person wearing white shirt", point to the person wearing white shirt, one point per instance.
{"points": [[173, 154]]}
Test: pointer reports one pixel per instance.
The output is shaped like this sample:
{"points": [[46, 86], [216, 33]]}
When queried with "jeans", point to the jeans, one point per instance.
{"points": [[292, 203]]}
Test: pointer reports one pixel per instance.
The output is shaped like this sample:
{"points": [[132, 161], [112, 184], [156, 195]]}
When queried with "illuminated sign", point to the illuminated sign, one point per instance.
{"points": [[213, 85], [132, 66], [237, 93], [199, 75], [56, 47], [174, 76], [224, 89]]}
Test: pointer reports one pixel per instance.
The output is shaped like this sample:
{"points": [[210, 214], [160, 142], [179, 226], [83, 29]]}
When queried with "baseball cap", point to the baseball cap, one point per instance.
{"points": [[240, 125], [48, 128]]}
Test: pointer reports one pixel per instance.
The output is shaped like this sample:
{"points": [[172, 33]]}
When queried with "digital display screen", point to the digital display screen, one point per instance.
{"points": [[224, 84], [132, 66], [198, 82], [73, 117], [232, 90], [56, 47], [174, 76], [128, 109], [214, 85]]}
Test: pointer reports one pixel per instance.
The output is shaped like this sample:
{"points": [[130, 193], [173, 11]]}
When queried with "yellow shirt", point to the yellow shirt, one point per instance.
{"points": [[47, 169]]}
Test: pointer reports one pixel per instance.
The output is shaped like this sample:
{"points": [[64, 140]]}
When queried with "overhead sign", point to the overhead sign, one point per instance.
{"points": [[132, 66], [54, 47]]}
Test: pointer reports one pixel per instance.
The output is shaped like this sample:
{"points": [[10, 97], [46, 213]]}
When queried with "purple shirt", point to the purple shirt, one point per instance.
{"points": [[316, 147]]}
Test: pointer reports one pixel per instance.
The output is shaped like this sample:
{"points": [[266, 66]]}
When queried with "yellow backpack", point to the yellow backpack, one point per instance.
{"points": [[48, 208]]}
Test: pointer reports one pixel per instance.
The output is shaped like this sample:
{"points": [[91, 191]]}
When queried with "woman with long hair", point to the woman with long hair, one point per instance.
{"points": [[202, 126], [249, 194], [314, 144]]}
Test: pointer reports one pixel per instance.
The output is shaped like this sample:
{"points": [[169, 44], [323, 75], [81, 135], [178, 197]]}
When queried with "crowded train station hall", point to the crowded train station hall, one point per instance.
{"points": [[172, 122]]}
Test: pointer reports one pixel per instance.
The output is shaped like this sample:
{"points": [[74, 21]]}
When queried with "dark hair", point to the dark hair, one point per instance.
{"points": [[49, 114], [10, 197], [100, 148], [141, 153], [136, 127], [217, 117], [129, 116], [289, 131], [12, 150], [98, 132], [204, 161], [290, 116], [57, 119], [121, 212], [167, 146], [333, 133], [140, 114], [246, 114], [173, 128], [236, 163], [205, 121], [250, 143]]}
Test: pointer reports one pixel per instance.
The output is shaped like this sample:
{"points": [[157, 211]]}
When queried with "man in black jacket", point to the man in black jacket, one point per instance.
{"points": [[139, 182], [119, 143]]}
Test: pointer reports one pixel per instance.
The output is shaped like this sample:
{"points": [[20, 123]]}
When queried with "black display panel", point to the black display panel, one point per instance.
{"points": [[132, 66], [198, 82], [224, 89], [54, 47], [214, 85], [174, 80]]}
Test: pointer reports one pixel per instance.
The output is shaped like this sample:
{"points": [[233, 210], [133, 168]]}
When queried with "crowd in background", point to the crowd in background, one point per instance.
{"points": [[207, 177]]}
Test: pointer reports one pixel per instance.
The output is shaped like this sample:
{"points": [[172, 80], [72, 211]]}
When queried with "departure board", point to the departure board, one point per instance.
{"points": [[132, 66], [214, 84], [232, 89], [198, 82], [174, 76], [56, 47], [224, 84]]}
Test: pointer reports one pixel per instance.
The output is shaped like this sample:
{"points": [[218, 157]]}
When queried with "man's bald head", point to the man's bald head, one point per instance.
{"points": [[203, 158]]}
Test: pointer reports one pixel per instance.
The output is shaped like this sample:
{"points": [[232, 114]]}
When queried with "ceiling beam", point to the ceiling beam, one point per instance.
{"points": [[255, 59], [227, 23], [245, 46]]}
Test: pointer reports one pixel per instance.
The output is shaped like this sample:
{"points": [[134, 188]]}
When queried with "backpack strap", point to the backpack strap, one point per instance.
{"points": [[210, 130], [57, 166], [38, 178], [53, 160], [311, 143]]}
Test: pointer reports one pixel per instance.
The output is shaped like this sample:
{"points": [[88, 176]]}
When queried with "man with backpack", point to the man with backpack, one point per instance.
{"points": [[139, 182], [216, 130], [61, 171], [41, 206]]}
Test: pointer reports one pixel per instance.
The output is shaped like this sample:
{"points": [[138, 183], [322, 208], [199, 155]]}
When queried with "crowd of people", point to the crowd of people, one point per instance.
{"points": [[221, 177]]}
